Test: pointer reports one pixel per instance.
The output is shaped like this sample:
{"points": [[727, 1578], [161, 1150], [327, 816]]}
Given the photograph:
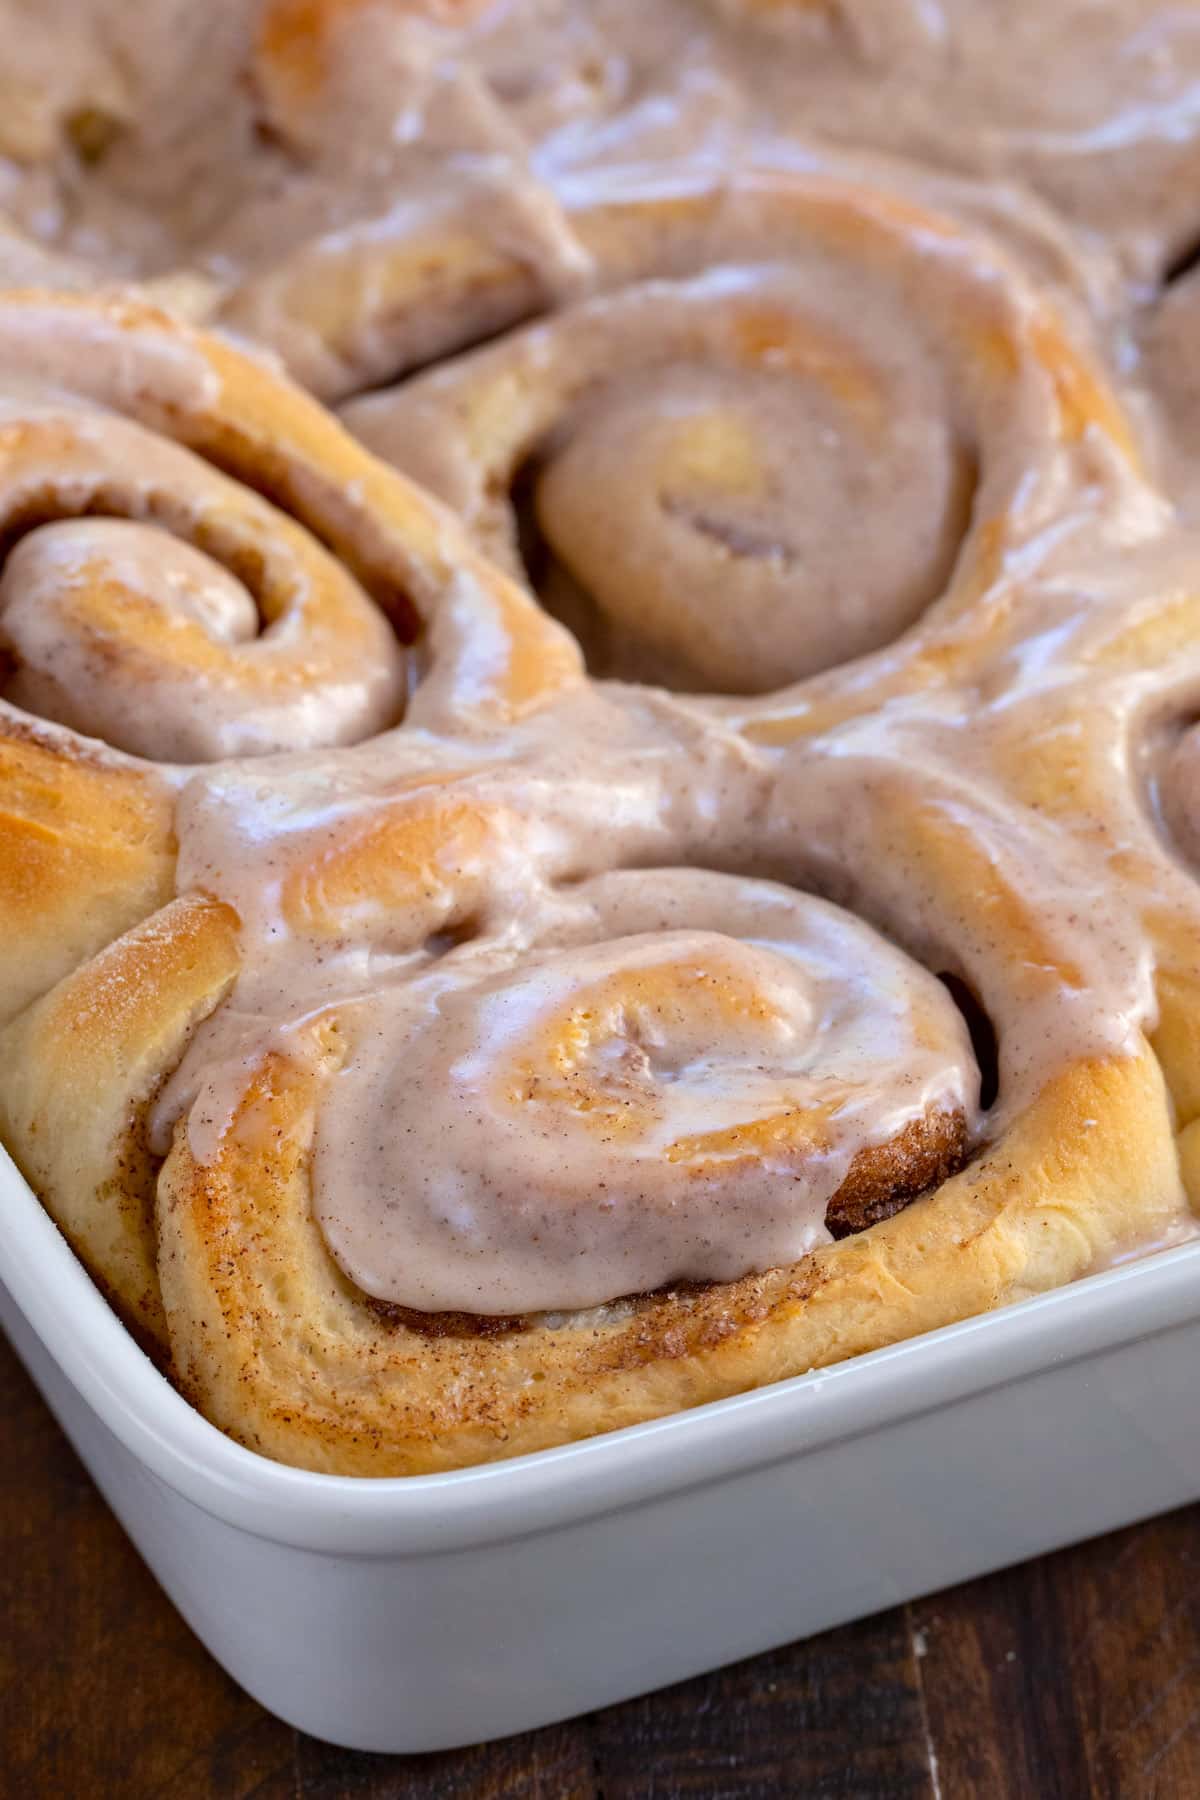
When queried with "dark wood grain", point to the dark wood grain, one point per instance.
{"points": [[1078, 1674]]}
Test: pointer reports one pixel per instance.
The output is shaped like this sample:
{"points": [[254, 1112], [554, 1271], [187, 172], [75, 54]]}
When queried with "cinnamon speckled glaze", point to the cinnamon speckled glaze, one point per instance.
{"points": [[642, 835]]}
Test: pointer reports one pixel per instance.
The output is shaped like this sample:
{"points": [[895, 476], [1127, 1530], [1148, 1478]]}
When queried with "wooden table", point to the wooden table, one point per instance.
{"points": [[1075, 1675]]}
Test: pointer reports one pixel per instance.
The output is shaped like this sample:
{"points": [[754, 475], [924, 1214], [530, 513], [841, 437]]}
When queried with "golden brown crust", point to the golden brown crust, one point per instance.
{"points": [[87, 848], [274, 1344], [81, 1065]]}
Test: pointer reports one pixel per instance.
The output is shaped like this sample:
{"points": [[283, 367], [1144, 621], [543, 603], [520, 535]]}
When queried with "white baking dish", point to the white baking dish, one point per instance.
{"points": [[425, 1613]]}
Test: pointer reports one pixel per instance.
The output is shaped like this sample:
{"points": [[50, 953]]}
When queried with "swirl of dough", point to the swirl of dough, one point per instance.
{"points": [[128, 632], [687, 1076], [763, 472], [1086, 729], [423, 270], [153, 595]]}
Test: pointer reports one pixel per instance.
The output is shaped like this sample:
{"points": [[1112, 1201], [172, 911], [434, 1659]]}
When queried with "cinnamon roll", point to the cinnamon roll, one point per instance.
{"points": [[525, 1190], [696, 458], [150, 596]]}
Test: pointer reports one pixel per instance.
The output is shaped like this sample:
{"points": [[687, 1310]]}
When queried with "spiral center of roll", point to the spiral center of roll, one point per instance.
{"points": [[738, 530], [724, 484], [119, 564], [622, 1053], [628, 1102], [171, 612]]}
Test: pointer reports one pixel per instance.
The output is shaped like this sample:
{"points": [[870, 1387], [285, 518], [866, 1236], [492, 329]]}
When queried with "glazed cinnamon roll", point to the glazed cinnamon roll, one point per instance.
{"points": [[688, 467], [677, 1066], [664, 1137], [140, 551]]}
